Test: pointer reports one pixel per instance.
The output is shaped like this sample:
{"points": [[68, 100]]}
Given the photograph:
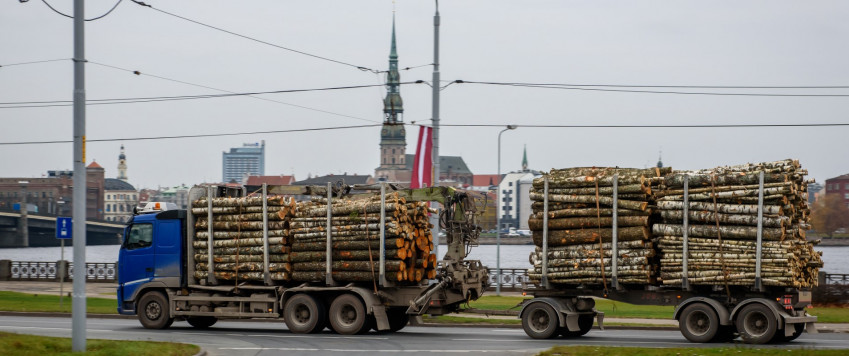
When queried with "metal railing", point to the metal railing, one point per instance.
{"points": [[512, 279], [52, 271]]}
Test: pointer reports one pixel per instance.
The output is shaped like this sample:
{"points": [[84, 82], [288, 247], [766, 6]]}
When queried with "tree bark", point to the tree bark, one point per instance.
{"points": [[726, 219], [587, 236], [728, 232], [588, 222], [607, 201]]}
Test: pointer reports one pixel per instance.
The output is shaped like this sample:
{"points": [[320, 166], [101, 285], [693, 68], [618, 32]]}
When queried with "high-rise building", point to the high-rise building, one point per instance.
{"points": [[393, 137], [243, 161]]}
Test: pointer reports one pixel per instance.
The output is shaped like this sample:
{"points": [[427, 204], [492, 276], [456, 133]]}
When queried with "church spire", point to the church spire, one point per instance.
{"points": [[659, 159], [393, 137], [122, 165], [393, 106], [525, 160]]}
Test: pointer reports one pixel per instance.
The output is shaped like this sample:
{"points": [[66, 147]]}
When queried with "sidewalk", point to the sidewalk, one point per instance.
{"points": [[93, 290]]}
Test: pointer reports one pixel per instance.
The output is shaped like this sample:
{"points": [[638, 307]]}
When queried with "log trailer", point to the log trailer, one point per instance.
{"points": [[756, 313], [157, 279]]}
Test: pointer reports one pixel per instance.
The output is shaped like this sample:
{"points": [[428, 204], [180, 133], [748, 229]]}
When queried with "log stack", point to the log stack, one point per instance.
{"points": [[580, 225], [355, 234], [722, 226], [238, 238]]}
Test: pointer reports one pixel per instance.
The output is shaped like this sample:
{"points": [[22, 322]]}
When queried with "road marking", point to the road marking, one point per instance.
{"points": [[320, 337], [41, 328], [355, 350]]}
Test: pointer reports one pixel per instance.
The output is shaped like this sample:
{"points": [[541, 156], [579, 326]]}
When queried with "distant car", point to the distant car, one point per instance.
{"points": [[524, 232], [841, 230]]}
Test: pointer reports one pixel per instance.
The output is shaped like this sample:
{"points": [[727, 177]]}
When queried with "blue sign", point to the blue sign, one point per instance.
{"points": [[64, 228]]}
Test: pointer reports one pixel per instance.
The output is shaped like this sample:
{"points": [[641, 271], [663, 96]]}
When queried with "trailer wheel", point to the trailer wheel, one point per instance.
{"points": [[303, 314], [153, 311], [348, 315], [202, 322], [798, 329], [540, 321], [699, 322], [756, 324], [585, 323]]}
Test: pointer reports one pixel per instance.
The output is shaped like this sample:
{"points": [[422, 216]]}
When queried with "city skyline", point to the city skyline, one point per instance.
{"points": [[684, 43]]}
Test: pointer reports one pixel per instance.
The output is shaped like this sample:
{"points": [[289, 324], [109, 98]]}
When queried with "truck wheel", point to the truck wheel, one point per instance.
{"points": [[698, 322], [153, 311], [348, 315], [303, 314], [756, 324], [540, 321], [585, 323], [202, 322], [798, 329]]}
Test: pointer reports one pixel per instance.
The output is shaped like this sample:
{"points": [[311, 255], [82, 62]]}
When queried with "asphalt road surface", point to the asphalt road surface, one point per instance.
{"points": [[272, 338]]}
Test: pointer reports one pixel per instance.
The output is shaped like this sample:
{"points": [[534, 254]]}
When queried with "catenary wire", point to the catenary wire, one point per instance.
{"points": [[34, 62], [91, 19], [543, 86], [141, 3], [195, 136], [231, 92], [836, 124]]}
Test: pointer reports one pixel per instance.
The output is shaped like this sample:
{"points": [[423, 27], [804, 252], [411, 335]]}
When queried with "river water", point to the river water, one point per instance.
{"points": [[836, 258]]}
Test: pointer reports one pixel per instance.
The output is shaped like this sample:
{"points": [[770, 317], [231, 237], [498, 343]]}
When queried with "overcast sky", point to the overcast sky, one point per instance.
{"points": [[698, 43]]}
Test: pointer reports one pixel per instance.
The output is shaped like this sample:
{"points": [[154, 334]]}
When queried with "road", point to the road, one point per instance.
{"points": [[272, 338]]}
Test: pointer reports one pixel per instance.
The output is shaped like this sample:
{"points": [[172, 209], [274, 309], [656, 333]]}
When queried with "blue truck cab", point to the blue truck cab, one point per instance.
{"points": [[151, 255]]}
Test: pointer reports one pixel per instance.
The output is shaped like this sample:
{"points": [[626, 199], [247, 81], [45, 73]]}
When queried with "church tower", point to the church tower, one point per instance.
{"points": [[122, 165], [525, 160], [393, 142]]}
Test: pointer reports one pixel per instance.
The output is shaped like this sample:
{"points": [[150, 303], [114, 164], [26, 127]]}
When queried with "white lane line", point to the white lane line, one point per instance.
{"points": [[355, 350], [320, 337], [41, 328]]}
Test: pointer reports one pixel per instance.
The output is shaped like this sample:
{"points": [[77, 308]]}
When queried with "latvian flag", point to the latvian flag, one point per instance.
{"points": [[423, 164]]}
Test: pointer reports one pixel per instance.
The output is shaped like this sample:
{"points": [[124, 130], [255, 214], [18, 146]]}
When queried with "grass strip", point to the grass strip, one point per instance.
{"points": [[26, 302], [32, 345], [678, 351]]}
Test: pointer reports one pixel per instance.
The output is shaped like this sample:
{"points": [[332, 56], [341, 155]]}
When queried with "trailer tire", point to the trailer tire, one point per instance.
{"points": [[798, 329], [153, 311], [348, 315], [202, 322], [303, 314], [585, 323], [699, 322], [540, 321], [756, 324]]}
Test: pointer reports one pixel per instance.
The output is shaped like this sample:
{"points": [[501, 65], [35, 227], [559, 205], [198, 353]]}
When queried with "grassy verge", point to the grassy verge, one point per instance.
{"points": [[25, 345], [636, 351], [613, 309], [24, 302]]}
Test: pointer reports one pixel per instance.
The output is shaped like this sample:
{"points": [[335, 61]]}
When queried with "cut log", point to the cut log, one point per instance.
{"points": [[728, 232], [574, 237], [588, 222], [607, 201]]}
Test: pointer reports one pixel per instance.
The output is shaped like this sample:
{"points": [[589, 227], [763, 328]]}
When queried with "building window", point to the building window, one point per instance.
{"points": [[846, 196], [393, 160], [846, 186], [107, 208], [108, 197]]}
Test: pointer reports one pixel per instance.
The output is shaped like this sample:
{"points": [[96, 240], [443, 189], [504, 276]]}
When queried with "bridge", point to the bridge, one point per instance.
{"points": [[41, 231]]}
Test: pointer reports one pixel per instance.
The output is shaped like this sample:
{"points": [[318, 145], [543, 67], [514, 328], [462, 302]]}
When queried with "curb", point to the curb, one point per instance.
{"points": [[66, 315], [202, 352]]}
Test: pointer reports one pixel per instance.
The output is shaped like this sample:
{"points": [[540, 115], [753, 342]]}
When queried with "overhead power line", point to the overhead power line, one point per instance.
{"points": [[136, 72], [585, 88], [837, 124], [91, 19], [58, 103], [141, 3], [194, 136], [33, 62]]}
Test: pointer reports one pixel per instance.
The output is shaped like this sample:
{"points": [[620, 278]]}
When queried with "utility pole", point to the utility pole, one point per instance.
{"points": [[435, 87], [78, 301], [23, 223]]}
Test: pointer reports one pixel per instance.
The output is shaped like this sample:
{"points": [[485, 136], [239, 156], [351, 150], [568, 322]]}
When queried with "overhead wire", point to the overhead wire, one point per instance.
{"points": [[195, 136], [362, 68], [33, 62], [136, 72], [91, 19], [836, 124]]}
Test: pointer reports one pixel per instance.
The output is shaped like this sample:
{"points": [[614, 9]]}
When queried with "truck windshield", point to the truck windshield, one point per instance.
{"points": [[139, 236]]}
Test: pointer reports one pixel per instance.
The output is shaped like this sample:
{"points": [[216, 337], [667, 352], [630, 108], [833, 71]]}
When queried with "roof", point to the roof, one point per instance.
{"points": [[484, 180], [845, 176], [348, 179], [94, 165], [116, 184], [452, 164], [270, 180]]}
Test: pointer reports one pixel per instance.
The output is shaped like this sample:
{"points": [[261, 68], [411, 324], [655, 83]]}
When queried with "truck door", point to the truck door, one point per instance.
{"points": [[136, 258], [167, 248]]}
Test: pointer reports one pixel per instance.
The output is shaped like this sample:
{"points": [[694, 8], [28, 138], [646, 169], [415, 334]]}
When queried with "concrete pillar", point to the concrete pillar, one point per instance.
{"points": [[61, 270], [5, 270], [23, 227]]}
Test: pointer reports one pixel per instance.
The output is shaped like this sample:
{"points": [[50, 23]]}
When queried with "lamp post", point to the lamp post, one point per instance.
{"points": [[498, 217]]}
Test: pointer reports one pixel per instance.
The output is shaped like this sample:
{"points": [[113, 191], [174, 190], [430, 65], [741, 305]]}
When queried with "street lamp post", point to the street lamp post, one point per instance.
{"points": [[498, 217]]}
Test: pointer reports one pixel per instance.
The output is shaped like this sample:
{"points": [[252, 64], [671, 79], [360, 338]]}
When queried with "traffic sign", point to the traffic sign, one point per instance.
{"points": [[64, 228]]}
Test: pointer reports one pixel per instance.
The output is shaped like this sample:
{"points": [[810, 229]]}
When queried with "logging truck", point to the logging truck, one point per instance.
{"points": [[164, 276], [755, 305]]}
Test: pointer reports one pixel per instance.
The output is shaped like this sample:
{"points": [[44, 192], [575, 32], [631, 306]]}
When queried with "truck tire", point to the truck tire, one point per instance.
{"points": [[348, 315], [202, 322], [698, 322], [756, 324], [303, 314], [585, 323], [540, 321], [798, 329], [398, 319], [153, 311]]}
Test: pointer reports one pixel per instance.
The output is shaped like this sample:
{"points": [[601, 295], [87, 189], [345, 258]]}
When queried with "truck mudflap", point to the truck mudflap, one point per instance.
{"points": [[808, 320]]}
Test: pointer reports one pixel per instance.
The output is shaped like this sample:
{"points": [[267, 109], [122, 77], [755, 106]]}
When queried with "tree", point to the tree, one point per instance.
{"points": [[829, 214]]}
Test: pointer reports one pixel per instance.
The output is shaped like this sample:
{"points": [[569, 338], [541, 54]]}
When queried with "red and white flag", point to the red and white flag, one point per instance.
{"points": [[423, 164]]}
